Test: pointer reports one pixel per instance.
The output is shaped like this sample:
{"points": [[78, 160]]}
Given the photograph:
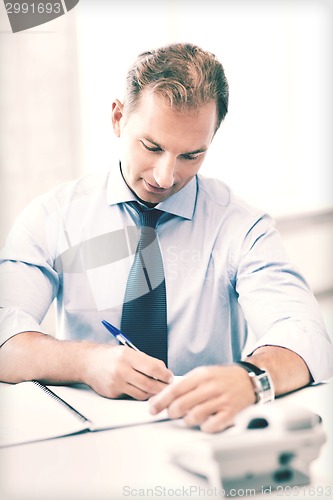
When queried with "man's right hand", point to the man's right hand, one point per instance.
{"points": [[113, 371]]}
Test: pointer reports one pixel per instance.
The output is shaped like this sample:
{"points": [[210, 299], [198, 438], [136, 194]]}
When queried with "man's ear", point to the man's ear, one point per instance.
{"points": [[117, 115]]}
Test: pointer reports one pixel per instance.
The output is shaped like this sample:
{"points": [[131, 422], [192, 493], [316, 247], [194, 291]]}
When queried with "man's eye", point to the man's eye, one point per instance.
{"points": [[154, 149], [190, 157]]}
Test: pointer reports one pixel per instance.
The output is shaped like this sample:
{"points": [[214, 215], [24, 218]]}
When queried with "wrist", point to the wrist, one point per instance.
{"points": [[88, 363], [261, 382]]}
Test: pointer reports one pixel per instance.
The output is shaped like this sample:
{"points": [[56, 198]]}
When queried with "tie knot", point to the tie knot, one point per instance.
{"points": [[148, 216]]}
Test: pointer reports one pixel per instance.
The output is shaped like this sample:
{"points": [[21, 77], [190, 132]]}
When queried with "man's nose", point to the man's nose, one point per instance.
{"points": [[164, 171]]}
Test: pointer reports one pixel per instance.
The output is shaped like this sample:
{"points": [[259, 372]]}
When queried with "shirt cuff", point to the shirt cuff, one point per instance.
{"points": [[314, 347]]}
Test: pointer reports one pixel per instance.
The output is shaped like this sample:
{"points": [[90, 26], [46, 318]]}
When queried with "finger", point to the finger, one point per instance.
{"points": [[198, 413], [145, 383], [200, 401], [122, 387], [152, 367], [135, 393], [218, 422], [170, 394]]}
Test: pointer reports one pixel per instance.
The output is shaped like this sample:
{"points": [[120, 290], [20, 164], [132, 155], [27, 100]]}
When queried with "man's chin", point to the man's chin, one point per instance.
{"points": [[148, 197], [151, 200]]}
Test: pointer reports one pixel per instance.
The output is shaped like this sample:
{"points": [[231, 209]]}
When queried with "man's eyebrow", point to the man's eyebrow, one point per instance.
{"points": [[195, 152], [153, 142]]}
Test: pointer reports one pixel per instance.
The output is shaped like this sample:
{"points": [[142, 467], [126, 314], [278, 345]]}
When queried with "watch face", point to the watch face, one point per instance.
{"points": [[265, 383], [265, 388]]}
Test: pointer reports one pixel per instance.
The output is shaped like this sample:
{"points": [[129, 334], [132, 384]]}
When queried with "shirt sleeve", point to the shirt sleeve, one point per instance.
{"points": [[28, 280], [278, 304]]}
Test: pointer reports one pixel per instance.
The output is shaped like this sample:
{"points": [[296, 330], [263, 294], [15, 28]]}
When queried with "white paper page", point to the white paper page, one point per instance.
{"points": [[29, 414], [106, 413]]}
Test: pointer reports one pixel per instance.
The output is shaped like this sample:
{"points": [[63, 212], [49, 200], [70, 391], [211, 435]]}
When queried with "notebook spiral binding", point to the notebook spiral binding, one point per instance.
{"points": [[61, 401]]}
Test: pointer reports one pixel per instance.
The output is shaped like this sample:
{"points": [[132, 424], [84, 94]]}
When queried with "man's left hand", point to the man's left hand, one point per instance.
{"points": [[208, 396]]}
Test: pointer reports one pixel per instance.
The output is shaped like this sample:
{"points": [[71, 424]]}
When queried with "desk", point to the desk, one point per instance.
{"points": [[134, 462]]}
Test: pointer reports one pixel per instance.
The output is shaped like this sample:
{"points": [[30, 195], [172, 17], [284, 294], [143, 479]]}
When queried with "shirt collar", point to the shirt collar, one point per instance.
{"points": [[181, 203]]}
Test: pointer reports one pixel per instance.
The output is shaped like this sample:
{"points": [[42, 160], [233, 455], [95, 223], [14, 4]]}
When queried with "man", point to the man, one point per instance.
{"points": [[223, 261]]}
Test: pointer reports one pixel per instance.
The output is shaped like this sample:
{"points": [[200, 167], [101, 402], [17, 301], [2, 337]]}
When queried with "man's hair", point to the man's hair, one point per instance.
{"points": [[182, 73]]}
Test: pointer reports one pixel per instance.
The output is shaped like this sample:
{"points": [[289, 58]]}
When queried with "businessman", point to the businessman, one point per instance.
{"points": [[211, 265]]}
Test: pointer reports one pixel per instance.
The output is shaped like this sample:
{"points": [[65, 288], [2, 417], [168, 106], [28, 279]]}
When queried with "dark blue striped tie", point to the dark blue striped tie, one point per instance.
{"points": [[144, 316]]}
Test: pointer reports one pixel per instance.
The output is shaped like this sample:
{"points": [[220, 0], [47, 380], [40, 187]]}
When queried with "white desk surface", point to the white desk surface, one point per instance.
{"points": [[134, 462]]}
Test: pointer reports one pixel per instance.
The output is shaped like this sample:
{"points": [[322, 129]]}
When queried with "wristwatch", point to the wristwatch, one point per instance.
{"points": [[261, 381]]}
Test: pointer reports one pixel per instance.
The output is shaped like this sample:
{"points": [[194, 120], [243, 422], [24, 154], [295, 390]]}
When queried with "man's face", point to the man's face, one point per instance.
{"points": [[162, 149]]}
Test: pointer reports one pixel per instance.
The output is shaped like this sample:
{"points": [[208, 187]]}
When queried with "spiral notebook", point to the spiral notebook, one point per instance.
{"points": [[31, 411]]}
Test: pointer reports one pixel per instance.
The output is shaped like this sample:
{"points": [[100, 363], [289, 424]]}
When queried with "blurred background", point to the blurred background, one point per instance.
{"points": [[58, 81]]}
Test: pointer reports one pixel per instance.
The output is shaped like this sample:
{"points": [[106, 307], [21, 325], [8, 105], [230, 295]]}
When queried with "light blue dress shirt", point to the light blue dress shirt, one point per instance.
{"points": [[223, 260]]}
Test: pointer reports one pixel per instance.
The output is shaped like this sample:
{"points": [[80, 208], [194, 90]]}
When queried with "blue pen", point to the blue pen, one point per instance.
{"points": [[119, 335]]}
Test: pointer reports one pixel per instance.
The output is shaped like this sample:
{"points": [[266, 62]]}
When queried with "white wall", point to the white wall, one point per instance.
{"points": [[39, 113]]}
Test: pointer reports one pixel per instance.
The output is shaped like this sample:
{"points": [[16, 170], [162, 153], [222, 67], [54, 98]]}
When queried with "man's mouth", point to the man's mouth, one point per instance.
{"points": [[154, 189]]}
